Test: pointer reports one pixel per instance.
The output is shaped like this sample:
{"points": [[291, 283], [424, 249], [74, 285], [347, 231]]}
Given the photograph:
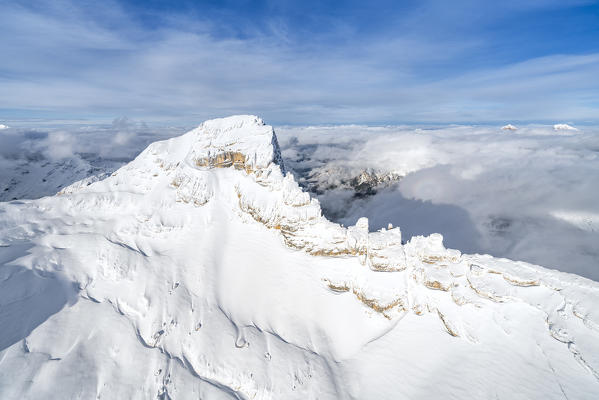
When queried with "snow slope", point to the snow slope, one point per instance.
{"points": [[201, 270]]}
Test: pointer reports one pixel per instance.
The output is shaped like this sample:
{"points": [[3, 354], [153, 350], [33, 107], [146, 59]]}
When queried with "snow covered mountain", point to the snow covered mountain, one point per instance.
{"points": [[202, 270]]}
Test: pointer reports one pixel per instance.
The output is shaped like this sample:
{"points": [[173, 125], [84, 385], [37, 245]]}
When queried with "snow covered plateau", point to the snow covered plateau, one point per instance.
{"points": [[201, 269]]}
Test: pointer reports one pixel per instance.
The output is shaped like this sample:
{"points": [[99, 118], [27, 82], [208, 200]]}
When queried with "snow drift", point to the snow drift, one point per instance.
{"points": [[202, 270]]}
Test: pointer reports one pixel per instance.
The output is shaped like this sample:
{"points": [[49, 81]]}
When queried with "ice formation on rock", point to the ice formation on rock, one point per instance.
{"points": [[201, 269]]}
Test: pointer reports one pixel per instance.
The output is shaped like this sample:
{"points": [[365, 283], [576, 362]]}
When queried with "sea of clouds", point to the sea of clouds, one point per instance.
{"points": [[528, 194], [36, 161]]}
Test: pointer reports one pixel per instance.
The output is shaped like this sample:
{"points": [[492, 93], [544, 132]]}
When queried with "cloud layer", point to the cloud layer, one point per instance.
{"points": [[36, 162], [529, 194]]}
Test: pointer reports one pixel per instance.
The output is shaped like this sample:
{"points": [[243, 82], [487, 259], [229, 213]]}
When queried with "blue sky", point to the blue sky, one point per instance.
{"points": [[302, 62]]}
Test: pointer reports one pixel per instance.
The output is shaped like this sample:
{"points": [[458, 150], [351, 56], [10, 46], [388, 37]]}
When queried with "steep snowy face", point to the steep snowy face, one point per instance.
{"points": [[201, 269]]}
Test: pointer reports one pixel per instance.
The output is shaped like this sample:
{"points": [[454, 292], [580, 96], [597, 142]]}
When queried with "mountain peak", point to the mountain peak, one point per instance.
{"points": [[243, 141], [231, 123]]}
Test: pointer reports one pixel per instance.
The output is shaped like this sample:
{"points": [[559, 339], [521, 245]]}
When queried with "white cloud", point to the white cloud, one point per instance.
{"points": [[58, 145], [38, 162], [70, 64], [529, 194]]}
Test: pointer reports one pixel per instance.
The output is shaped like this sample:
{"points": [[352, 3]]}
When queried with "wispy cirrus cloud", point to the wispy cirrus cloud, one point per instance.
{"points": [[76, 60]]}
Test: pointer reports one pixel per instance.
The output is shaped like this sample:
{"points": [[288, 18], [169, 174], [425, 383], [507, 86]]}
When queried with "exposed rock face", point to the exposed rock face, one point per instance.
{"points": [[224, 160], [300, 222], [368, 181], [364, 183], [351, 185], [202, 269]]}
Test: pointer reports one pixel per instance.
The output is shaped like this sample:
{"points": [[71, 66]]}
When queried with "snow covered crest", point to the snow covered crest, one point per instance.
{"points": [[246, 135]]}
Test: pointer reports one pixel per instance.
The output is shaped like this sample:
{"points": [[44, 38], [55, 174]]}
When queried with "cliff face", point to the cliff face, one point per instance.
{"points": [[201, 269]]}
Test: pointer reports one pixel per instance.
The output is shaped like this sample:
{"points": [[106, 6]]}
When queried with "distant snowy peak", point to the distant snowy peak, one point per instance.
{"points": [[509, 127], [3, 126], [563, 127]]}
